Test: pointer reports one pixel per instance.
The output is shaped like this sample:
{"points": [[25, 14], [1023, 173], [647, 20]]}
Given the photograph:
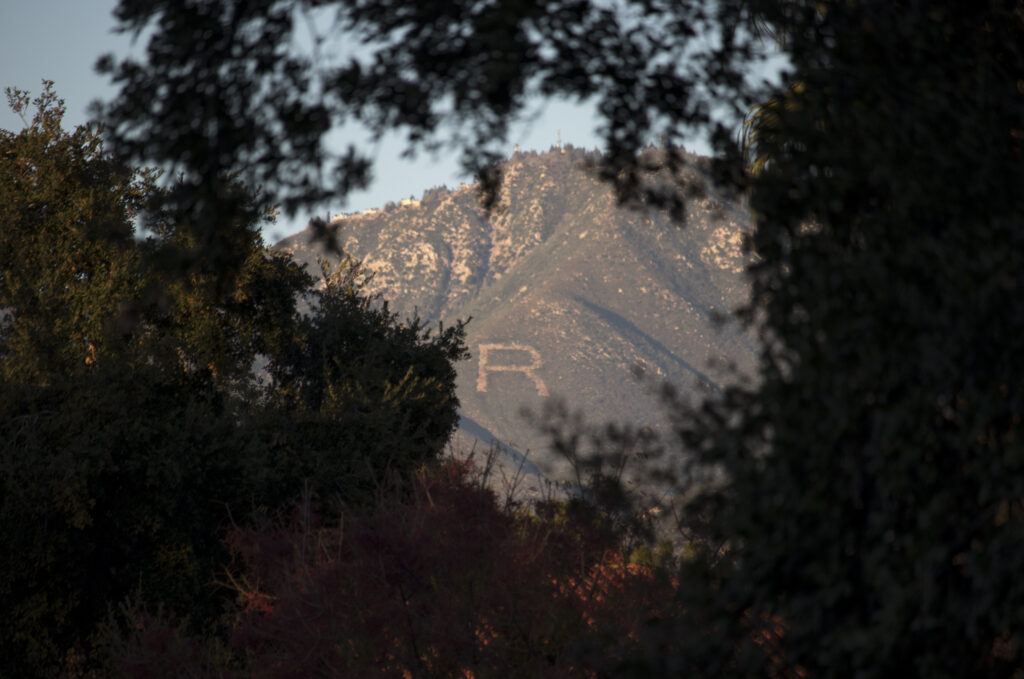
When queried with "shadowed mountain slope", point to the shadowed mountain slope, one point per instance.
{"points": [[568, 292]]}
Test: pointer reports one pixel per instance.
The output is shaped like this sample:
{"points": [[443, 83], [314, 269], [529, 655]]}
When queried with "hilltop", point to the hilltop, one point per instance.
{"points": [[568, 292]]}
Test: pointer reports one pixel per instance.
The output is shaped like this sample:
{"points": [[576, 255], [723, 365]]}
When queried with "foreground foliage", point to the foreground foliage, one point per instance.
{"points": [[143, 405], [875, 473], [439, 583], [862, 500]]}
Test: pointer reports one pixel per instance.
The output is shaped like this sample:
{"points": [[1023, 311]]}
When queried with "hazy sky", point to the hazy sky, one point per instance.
{"points": [[60, 40]]}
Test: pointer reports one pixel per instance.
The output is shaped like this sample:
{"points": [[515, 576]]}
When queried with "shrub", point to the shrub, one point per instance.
{"points": [[438, 583]]}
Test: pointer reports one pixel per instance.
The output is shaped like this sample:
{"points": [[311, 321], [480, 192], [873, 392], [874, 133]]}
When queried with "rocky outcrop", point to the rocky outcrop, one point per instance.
{"points": [[568, 292]]}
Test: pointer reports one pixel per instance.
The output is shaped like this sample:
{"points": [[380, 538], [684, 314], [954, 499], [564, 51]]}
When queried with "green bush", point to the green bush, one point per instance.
{"points": [[146, 404]]}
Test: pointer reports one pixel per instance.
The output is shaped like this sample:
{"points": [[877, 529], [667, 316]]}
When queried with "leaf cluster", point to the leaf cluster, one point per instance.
{"points": [[146, 400], [223, 88], [874, 473], [440, 582]]}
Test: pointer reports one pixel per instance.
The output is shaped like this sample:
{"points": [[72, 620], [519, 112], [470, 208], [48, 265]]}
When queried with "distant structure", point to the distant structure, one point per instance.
{"points": [[527, 369]]}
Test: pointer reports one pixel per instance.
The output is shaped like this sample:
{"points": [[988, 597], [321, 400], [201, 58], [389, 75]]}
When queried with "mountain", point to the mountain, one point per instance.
{"points": [[567, 291]]}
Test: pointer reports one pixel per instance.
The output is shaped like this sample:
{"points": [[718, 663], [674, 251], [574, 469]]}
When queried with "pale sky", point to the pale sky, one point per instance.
{"points": [[60, 40]]}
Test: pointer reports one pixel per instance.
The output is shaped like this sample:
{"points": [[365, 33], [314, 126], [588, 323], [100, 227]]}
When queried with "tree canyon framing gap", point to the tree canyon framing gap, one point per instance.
{"points": [[872, 477]]}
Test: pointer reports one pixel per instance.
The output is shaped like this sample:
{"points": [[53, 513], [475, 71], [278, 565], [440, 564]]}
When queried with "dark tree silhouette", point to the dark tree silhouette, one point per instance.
{"points": [[869, 487], [222, 90], [134, 426]]}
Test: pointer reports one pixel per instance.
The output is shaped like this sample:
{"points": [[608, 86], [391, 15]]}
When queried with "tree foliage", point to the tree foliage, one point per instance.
{"points": [[875, 472], [143, 406], [222, 89], [867, 488], [66, 247], [441, 583]]}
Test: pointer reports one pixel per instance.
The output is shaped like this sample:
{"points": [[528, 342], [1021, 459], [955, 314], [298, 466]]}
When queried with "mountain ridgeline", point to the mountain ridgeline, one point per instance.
{"points": [[568, 292]]}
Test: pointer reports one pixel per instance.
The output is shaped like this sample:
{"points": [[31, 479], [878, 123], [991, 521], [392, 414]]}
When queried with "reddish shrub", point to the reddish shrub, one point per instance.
{"points": [[443, 583]]}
